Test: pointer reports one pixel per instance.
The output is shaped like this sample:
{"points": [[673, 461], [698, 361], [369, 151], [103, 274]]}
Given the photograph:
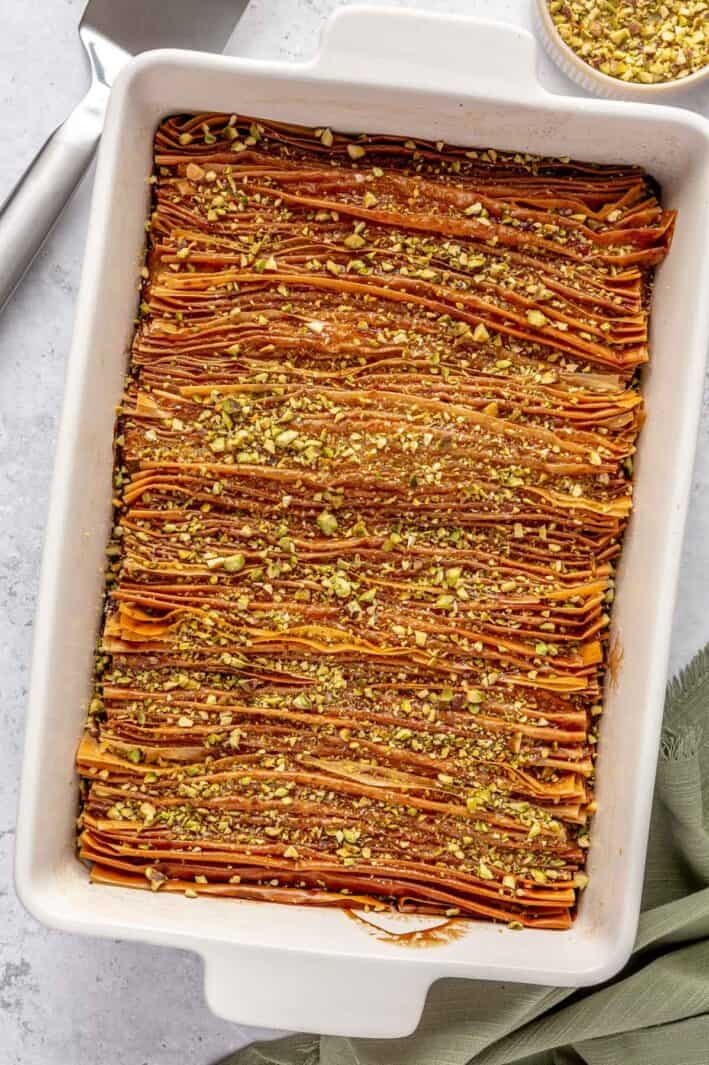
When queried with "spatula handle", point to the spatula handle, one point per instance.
{"points": [[40, 195]]}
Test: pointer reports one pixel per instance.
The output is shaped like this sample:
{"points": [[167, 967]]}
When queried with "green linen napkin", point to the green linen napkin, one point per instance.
{"points": [[655, 1012]]}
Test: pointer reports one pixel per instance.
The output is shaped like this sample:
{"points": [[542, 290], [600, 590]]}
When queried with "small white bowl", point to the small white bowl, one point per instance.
{"points": [[599, 84]]}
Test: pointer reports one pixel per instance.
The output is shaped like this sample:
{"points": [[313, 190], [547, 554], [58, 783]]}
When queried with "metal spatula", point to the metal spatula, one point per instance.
{"points": [[111, 32]]}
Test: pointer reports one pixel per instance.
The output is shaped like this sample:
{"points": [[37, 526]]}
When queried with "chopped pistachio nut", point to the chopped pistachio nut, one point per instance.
{"points": [[194, 172], [327, 523], [536, 318], [155, 877], [285, 437], [485, 872], [234, 563]]}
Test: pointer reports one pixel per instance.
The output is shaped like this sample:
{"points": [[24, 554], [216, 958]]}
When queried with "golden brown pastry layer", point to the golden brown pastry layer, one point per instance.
{"points": [[373, 469]]}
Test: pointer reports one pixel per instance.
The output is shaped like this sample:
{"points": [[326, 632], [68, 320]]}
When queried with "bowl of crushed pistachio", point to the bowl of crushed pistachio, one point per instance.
{"points": [[628, 48]]}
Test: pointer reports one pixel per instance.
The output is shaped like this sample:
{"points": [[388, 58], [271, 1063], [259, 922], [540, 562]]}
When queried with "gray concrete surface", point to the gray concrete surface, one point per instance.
{"points": [[54, 988]]}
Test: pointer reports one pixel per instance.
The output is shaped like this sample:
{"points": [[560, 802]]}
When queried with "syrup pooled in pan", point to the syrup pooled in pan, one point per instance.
{"points": [[436, 934]]}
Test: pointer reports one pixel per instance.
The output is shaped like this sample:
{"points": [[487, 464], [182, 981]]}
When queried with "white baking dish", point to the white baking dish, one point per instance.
{"points": [[462, 81]]}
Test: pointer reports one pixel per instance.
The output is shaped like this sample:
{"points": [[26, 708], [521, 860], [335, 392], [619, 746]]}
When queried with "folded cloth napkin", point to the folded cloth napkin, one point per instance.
{"points": [[655, 1012]]}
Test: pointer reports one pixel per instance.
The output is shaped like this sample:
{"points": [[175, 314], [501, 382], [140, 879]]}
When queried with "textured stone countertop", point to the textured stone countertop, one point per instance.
{"points": [[53, 986]]}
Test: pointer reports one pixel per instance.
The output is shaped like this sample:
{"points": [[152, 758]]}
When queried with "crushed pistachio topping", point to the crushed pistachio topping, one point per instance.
{"points": [[373, 469]]}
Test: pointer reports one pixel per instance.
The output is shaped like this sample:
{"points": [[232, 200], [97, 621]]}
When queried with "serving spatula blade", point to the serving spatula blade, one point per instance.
{"points": [[133, 26], [111, 31]]}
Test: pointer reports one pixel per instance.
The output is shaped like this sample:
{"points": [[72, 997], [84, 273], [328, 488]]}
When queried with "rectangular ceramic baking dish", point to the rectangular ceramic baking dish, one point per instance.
{"points": [[446, 78]]}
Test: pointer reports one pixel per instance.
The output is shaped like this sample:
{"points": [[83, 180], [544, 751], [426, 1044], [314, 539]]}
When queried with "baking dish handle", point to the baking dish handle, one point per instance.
{"points": [[313, 992], [427, 50]]}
